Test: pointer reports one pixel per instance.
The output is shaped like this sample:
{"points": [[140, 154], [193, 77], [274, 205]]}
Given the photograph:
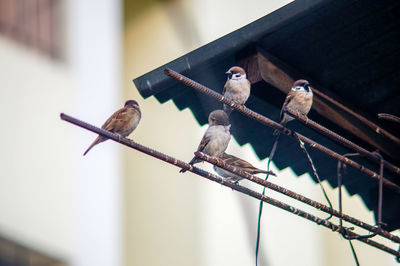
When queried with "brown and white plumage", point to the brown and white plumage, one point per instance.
{"points": [[216, 139], [299, 98], [122, 122], [239, 163], [237, 87]]}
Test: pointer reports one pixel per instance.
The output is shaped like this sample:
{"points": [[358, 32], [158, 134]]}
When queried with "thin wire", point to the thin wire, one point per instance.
{"points": [[303, 147], [271, 155], [354, 253]]}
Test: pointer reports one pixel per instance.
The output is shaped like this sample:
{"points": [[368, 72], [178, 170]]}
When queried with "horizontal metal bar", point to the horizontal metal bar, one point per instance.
{"points": [[345, 142], [220, 163], [264, 120], [370, 124], [171, 160], [389, 117]]}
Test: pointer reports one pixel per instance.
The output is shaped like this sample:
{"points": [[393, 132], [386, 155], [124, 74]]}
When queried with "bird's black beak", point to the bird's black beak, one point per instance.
{"points": [[229, 74]]}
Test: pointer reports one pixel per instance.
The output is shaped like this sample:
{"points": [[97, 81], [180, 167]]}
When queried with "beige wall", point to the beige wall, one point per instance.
{"points": [[36, 184], [51, 198], [175, 219]]}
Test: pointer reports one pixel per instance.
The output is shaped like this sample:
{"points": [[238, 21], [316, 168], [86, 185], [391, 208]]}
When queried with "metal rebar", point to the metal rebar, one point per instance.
{"points": [[275, 125], [389, 117], [171, 160], [339, 181], [380, 197], [345, 142], [220, 163], [370, 124], [378, 228]]}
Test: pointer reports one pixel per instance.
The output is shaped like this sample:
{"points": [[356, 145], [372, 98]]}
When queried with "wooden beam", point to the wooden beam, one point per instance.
{"points": [[263, 66]]}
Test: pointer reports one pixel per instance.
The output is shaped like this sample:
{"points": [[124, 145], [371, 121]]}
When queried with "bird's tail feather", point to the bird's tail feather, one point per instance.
{"points": [[98, 140], [283, 123], [266, 172], [192, 162], [227, 109]]}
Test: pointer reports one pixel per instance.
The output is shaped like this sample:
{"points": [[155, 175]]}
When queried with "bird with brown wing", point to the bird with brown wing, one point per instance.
{"points": [[299, 99], [122, 122], [216, 138], [237, 87], [240, 164]]}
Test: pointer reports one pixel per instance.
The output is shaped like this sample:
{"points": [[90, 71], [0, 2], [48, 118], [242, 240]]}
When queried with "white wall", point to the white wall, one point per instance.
{"points": [[51, 198], [95, 55], [36, 174]]}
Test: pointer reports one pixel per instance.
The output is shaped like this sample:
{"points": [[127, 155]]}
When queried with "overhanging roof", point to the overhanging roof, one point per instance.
{"points": [[350, 48]]}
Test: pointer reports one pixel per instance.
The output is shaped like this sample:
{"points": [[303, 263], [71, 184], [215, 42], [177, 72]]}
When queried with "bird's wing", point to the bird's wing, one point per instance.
{"points": [[203, 143], [289, 97], [225, 86], [113, 119], [244, 165], [235, 161]]}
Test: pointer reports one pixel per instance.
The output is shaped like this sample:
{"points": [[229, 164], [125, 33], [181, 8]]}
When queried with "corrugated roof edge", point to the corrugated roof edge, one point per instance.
{"points": [[155, 81]]}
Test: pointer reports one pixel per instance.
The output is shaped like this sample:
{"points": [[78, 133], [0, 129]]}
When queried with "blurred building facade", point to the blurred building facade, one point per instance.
{"points": [[116, 206], [59, 56]]}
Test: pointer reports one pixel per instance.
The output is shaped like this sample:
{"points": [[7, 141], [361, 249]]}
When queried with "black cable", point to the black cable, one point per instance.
{"points": [[303, 147], [354, 253], [271, 155]]}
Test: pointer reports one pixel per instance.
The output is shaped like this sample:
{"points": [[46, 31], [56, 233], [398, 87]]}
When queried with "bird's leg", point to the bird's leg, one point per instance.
{"points": [[229, 178], [119, 137]]}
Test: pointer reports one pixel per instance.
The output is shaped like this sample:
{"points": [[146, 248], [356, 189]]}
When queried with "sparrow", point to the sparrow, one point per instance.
{"points": [[216, 138], [237, 87], [238, 163], [122, 122], [299, 98]]}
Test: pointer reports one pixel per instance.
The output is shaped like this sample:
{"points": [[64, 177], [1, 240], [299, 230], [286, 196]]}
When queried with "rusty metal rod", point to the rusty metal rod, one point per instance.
{"points": [[380, 200], [389, 117], [370, 124], [181, 164], [220, 163], [345, 142], [273, 124]]}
